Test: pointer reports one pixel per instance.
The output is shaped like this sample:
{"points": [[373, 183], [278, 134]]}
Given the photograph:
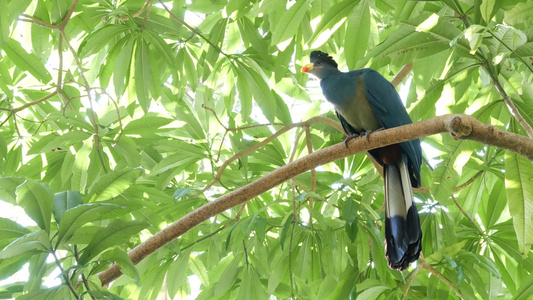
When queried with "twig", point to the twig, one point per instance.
{"points": [[411, 278], [68, 15], [83, 278], [267, 140], [198, 33], [62, 25], [459, 126], [402, 74], [457, 188], [96, 135], [466, 215], [137, 14], [510, 105], [442, 278], [22, 107], [65, 277], [147, 14]]}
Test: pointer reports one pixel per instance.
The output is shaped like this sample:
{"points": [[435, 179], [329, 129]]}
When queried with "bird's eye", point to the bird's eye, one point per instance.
{"points": [[318, 63]]}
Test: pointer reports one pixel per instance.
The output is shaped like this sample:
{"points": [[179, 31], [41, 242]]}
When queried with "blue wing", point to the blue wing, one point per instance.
{"points": [[390, 111]]}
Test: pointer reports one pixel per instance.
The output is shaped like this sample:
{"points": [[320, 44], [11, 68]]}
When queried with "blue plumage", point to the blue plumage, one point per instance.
{"points": [[365, 101]]}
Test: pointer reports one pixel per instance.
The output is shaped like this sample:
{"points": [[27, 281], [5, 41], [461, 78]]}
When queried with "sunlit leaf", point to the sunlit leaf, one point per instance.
{"points": [[519, 171], [116, 233], [114, 183], [37, 199], [26, 61]]}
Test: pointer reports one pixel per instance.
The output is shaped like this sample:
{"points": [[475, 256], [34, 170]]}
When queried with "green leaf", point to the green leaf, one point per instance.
{"points": [[11, 230], [36, 199], [450, 251], [8, 188], [198, 268], [285, 229], [373, 292], [4, 24], [64, 201], [331, 20], [290, 22], [26, 61], [32, 243], [114, 183], [245, 95], [100, 38], [486, 9], [146, 125], [349, 210], [81, 165], [518, 178], [447, 174], [227, 279], [519, 13], [250, 35], [121, 258], [74, 218], [53, 141], [118, 65], [216, 38], [177, 272], [57, 292], [251, 286], [262, 93], [525, 290], [304, 289], [357, 33], [143, 75], [116, 233]]}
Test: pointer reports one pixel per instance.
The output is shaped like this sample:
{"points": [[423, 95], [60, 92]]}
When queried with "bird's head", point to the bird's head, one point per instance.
{"points": [[321, 64]]}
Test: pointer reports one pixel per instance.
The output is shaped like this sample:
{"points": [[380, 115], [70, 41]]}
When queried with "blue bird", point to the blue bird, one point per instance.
{"points": [[364, 102]]}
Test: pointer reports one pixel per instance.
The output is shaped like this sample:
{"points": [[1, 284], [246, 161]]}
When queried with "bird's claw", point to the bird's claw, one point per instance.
{"points": [[365, 133], [350, 137]]}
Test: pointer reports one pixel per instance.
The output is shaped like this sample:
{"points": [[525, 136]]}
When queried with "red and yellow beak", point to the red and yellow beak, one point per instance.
{"points": [[308, 67]]}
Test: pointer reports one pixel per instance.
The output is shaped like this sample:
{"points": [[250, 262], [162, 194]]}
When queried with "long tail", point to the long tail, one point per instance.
{"points": [[403, 235]]}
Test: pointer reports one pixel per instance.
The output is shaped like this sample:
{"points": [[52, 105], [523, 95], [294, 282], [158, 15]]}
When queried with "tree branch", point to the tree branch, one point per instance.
{"points": [[459, 126], [402, 74]]}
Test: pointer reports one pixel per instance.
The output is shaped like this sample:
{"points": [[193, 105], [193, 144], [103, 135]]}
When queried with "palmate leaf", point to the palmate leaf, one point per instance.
{"points": [[447, 174], [100, 38]]}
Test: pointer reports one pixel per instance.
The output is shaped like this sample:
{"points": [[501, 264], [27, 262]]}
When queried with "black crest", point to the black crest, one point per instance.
{"points": [[322, 56]]}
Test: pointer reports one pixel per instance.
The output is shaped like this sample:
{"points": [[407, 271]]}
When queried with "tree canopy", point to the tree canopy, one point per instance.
{"points": [[119, 118]]}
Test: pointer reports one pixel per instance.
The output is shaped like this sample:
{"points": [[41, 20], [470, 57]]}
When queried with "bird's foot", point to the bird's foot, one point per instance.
{"points": [[350, 137], [368, 132], [365, 133]]}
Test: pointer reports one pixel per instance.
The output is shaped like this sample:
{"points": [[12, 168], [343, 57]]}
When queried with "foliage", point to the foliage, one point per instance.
{"points": [[117, 116]]}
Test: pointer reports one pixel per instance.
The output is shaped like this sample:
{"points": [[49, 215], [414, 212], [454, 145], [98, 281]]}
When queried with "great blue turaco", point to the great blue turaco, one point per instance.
{"points": [[364, 102]]}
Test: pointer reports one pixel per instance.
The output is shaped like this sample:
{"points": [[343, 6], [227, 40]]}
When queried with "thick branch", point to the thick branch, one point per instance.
{"points": [[460, 126]]}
